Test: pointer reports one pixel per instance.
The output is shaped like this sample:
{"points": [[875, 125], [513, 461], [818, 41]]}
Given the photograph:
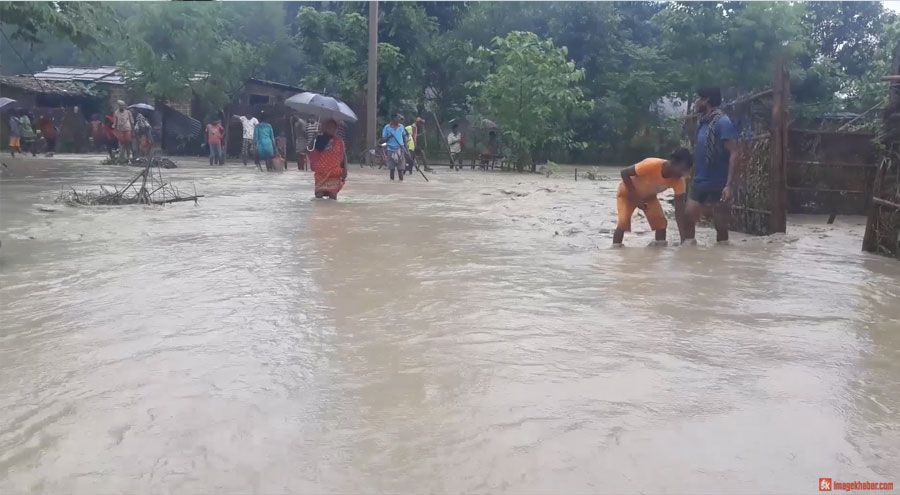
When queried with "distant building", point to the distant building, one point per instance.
{"points": [[69, 102], [110, 78], [172, 119]]}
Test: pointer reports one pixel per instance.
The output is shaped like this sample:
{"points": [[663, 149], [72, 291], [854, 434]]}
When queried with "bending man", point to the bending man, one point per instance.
{"points": [[639, 187]]}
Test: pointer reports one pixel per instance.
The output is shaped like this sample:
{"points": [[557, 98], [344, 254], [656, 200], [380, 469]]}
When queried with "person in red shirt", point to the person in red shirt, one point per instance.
{"points": [[214, 135], [49, 132], [111, 142]]}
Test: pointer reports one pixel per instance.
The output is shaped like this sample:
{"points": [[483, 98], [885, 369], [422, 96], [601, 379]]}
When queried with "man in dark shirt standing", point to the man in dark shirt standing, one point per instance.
{"points": [[715, 161]]}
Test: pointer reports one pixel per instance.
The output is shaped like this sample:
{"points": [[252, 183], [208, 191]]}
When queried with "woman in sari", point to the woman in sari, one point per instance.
{"points": [[264, 139], [327, 159]]}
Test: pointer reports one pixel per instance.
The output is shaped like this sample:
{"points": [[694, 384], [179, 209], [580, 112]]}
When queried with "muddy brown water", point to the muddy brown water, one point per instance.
{"points": [[472, 334]]}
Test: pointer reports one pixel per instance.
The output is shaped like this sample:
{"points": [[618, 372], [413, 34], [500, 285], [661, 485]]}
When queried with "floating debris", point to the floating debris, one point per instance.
{"points": [[153, 190], [153, 161]]}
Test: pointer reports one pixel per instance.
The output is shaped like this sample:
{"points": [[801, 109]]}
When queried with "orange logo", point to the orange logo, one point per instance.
{"points": [[824, 484]]}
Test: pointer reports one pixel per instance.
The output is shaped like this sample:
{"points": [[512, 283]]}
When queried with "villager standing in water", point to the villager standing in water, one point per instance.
{"points": [[715, 157], [15, 133], [50, 132], [328, 161], [214, 135], [264, 139], [247, 128], [393, 135], [455, 143], [123, 124]]}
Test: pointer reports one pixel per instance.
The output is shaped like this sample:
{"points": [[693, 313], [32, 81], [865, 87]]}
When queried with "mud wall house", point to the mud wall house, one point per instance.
{"points": [[71, 103]]}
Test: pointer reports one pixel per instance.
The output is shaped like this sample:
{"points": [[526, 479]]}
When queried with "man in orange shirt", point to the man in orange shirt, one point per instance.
{"points": [[640, 185]]}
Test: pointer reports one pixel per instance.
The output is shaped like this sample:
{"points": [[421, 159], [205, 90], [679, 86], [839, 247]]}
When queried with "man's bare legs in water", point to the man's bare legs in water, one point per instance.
{"points": [[719, 211]]}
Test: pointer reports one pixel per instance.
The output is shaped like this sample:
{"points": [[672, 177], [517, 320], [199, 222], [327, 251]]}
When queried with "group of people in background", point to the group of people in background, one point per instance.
{"points": [[319, 146], [25, 134], [117, 132], [258, 142]]}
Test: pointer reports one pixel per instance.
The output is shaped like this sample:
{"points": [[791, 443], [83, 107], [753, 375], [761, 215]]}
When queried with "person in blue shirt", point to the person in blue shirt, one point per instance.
{"points": [[264, 139], [715, 162], [394, 136]]}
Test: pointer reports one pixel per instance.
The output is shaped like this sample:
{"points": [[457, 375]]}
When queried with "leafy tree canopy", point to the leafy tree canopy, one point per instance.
{"points": [[530, 83], [445, 56]]}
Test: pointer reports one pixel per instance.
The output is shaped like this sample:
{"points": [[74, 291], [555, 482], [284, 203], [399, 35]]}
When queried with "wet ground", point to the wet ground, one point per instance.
{"points": [[470, 334]]}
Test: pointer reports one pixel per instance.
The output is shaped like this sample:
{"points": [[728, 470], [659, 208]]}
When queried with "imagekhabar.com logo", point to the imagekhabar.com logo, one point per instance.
{"points": [[827, 485]]}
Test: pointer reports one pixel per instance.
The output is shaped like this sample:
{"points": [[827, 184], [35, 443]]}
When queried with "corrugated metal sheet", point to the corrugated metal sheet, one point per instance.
{"points": [[59, 88], [105, 74]]}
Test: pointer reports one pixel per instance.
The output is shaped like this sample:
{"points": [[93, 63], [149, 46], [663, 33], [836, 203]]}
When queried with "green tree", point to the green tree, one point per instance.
{"points": [[36, 34], [336, 48], [335, 44], [846, 32], [531, 85], [174, 51], [732, 45], [80, 23], [268, 27]]}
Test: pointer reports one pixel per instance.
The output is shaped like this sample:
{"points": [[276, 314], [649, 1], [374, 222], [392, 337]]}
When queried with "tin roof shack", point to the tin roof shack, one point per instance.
{"points": [[258, 95], [70, 103], [110, 78], [172, 122]]}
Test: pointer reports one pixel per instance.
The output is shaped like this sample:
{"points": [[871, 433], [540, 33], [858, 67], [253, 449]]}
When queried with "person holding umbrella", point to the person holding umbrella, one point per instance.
{"points": [[143, 131], [328, 161]]}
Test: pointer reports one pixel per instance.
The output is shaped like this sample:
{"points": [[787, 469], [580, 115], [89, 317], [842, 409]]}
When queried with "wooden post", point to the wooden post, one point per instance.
{"points": [[372, 83], [779, 132], [576, 175]]}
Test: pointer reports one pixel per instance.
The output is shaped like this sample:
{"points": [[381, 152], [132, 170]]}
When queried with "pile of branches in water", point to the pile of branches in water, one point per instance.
{"points": [[153, 161], [145, 188]]}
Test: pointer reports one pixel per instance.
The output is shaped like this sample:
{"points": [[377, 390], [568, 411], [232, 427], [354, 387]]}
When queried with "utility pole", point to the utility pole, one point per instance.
{"points": [[372, 86]]}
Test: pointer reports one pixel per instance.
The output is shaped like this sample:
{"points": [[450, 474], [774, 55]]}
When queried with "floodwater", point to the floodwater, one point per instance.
{"points": [[471, 334]]}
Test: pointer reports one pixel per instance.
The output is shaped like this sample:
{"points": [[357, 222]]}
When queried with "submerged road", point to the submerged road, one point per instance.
{"points": [[470, 334]]}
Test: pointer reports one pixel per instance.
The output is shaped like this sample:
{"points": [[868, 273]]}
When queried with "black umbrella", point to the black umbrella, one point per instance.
{"points": [[323, 107], [6, 102], [142, 106]]}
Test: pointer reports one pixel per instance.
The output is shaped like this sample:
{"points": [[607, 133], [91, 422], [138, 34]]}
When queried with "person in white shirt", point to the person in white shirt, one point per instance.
{"points": [[247, 148], [454, 141]]}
